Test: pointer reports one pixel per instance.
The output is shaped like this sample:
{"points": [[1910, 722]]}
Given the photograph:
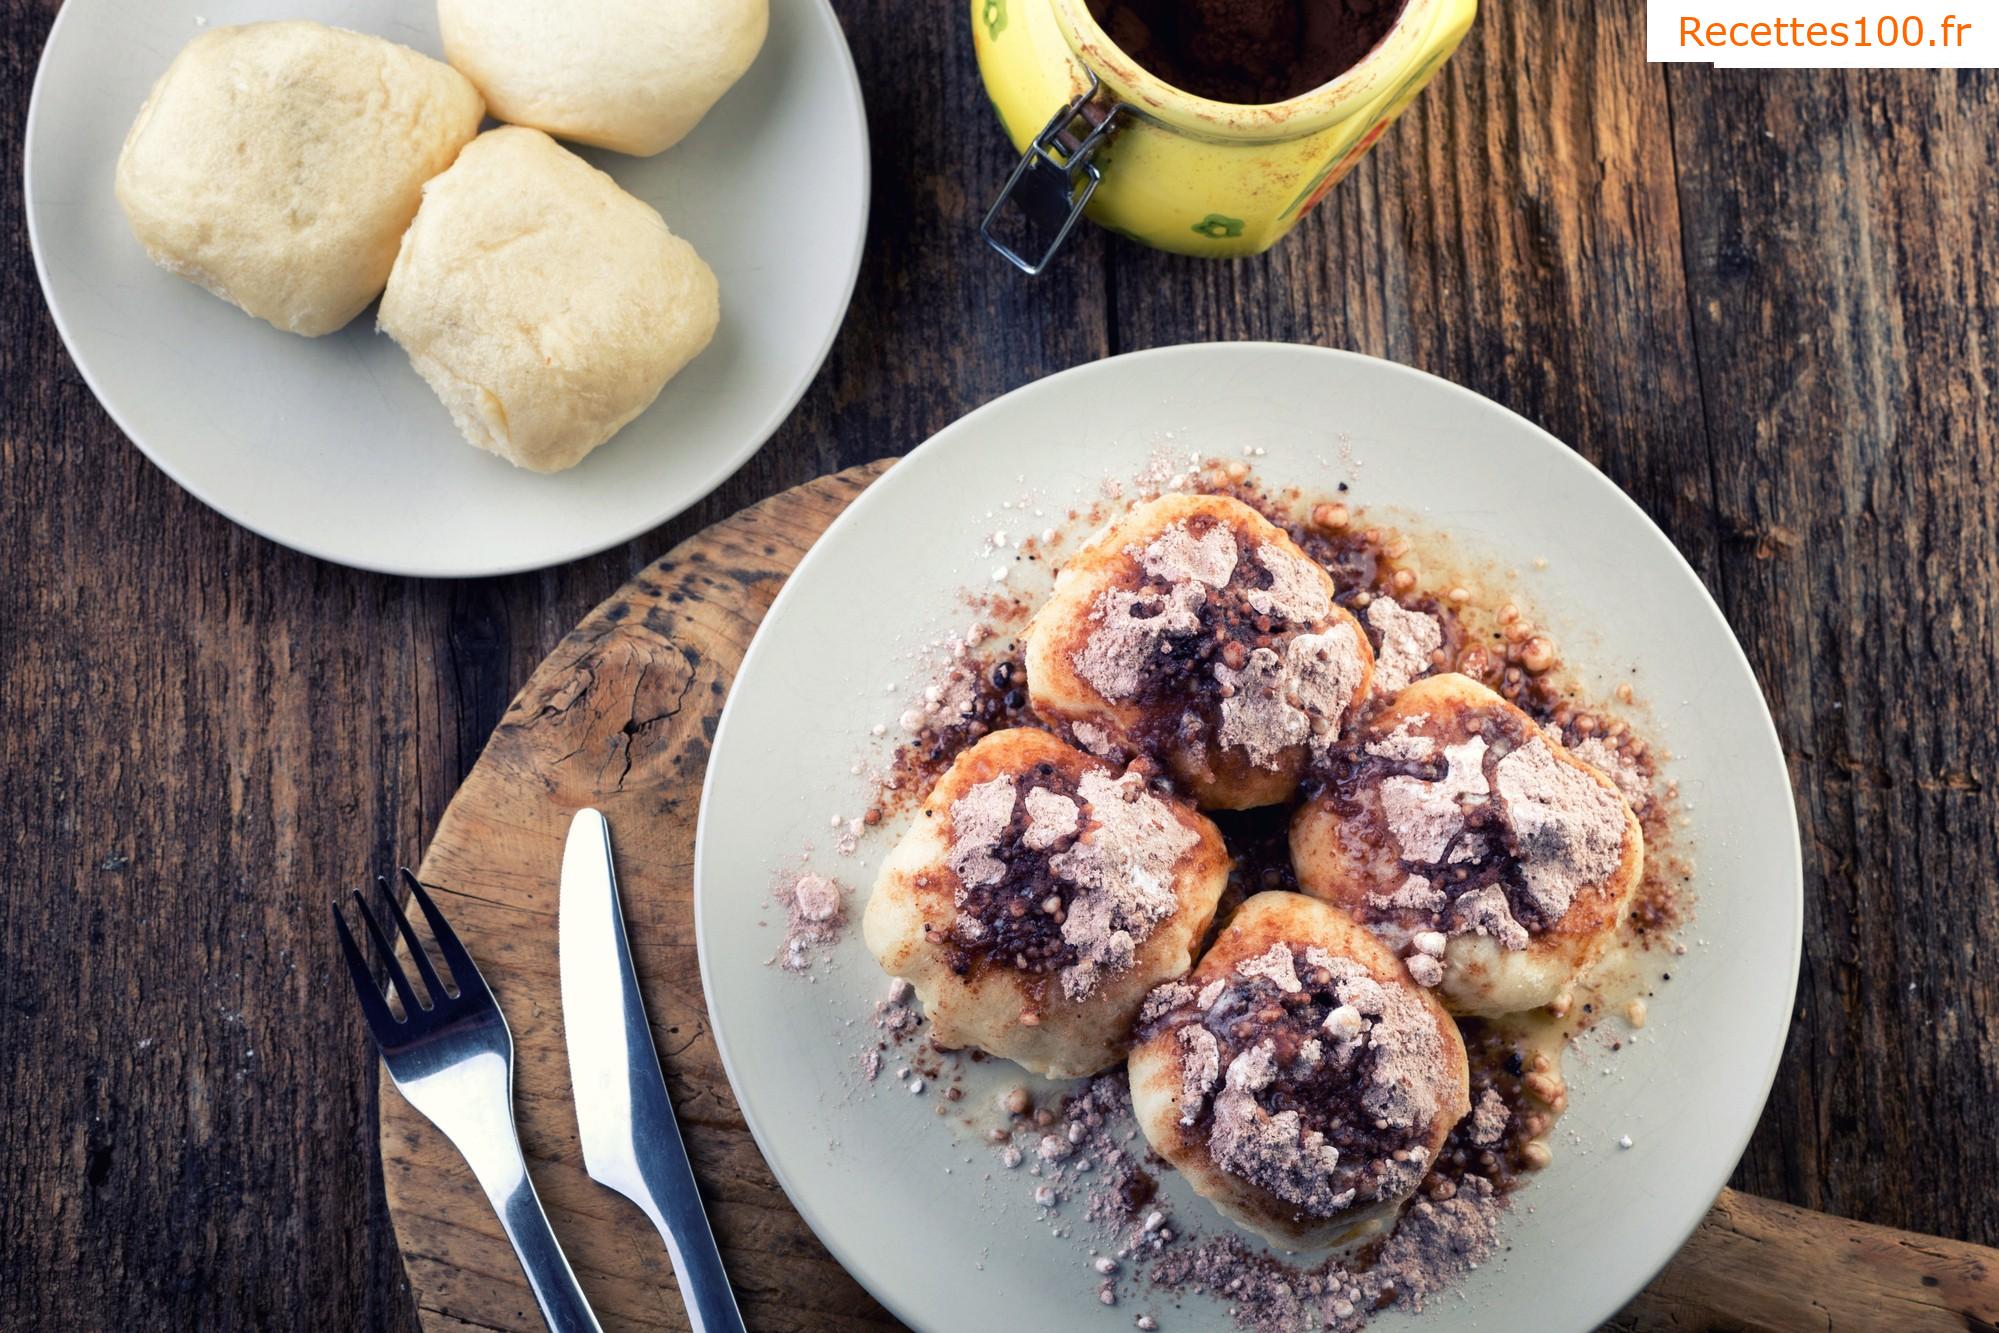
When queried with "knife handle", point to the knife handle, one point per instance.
{"points": [[690, 1242]]}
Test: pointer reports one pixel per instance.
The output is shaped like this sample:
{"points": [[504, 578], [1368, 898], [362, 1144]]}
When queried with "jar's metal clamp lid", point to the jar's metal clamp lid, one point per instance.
{"points": [[1057, 175]]}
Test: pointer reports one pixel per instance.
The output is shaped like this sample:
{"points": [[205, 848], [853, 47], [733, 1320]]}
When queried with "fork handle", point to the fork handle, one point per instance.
{"points": [[555, 1288]]}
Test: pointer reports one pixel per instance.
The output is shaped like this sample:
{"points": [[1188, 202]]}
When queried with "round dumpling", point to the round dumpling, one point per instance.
{"points": [[1195, 631], [278, 165], [544, 305], [1497, 862], [1298, 1078], [629, 75], [1038, 898]]}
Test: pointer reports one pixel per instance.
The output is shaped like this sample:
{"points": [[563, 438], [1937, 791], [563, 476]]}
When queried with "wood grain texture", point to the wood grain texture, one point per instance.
{"points": [[1764, 303], [619, 717], [1754, 1264], [1840, 245]]}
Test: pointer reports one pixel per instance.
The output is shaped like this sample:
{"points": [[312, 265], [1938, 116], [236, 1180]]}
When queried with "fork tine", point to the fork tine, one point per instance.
{"points": [[463, 970], [414, 945], [396, 977], [381, 1023]]}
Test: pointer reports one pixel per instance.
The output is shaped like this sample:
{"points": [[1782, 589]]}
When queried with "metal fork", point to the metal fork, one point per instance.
{"points": [[453, 1060]]}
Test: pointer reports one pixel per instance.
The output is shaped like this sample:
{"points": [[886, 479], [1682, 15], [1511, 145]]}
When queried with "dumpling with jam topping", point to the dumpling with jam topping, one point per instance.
{"points": [[1038, 898], [1195, 631], [1473, 843], [1297, 1077]]}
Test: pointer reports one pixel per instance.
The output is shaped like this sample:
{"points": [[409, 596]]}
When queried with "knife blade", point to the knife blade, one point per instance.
{"points": [[631, 1140]]}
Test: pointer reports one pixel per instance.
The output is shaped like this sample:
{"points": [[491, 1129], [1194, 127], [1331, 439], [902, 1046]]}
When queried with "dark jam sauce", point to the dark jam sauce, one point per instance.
{"points": [[1021, 912], [1349, 779], [1180, 679], [1498, 1065], [1326, 1095], [1260, 845]]}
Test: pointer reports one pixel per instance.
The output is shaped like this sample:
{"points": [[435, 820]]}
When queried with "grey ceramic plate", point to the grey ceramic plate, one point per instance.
{"points": [[333, 445], [868, 1167]]}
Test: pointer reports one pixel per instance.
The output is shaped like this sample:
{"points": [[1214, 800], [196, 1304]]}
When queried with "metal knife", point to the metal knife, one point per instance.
{"points": [[631, 1141]]}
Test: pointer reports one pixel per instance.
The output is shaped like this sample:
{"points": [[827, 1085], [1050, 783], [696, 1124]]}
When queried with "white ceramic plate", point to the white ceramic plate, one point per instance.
{"points": [[333, 445], [868, 1169]]}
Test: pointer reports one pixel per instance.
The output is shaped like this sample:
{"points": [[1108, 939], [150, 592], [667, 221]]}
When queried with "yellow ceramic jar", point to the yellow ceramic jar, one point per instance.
{"points": [[1181, 172]]}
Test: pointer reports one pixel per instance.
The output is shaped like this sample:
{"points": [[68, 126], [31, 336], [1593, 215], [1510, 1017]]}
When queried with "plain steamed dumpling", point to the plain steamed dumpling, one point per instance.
{"points": [[629, 75], [278, 164], [543, 304]]}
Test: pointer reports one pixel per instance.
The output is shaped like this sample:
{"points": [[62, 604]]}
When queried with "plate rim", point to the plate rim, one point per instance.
{"points": [[709, 481], [1766, 737]]}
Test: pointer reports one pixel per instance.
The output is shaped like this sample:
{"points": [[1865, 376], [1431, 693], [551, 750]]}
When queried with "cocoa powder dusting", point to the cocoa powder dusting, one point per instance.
{"points": [[1073, 878], [1569, 829], [1247, 51], [1407, 640], [1225, 639]]}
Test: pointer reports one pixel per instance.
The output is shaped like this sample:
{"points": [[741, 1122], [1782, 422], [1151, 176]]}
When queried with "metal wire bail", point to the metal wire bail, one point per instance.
{"points": [[1056, 176]]}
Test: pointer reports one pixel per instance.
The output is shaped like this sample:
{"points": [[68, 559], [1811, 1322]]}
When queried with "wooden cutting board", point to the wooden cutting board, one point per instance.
{"points": [[620, 717]]}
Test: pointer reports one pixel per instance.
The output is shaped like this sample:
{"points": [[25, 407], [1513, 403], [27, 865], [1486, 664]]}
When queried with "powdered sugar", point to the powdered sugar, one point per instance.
{"points": [[1275, 1151], [1323, 672], [1279, 1147], [1407, 640], [979, 820], [1123, 872], [1570, 830], [1273, 698], [1414, 894], [1130, 623], [1274, 703], [1488, 1119], [1255, 716], [1177, 555], [1274, 964], [1297, 590], [1403, 744], [1201, 1065], [1409, 1053], [1051, 817], [1119, 862], [1435, 1244], [1486, 912], [1093, 739], [1599, 754], [1425, 816], [816, 898], [1129, 626], [1163, 999]]}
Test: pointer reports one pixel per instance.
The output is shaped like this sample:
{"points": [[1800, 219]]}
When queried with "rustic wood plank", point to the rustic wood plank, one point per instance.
{"points": [[1754, 1264], [619, 718], [1841, 259], [202, 735]]}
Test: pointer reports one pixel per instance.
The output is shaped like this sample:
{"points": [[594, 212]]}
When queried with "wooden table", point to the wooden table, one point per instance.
{"points": [[1766, 304]]}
